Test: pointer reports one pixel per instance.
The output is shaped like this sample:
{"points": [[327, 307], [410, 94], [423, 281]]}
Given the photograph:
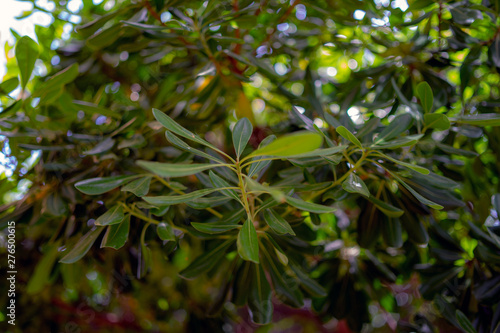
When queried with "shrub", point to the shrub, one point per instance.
{"points": [[338, 158]]}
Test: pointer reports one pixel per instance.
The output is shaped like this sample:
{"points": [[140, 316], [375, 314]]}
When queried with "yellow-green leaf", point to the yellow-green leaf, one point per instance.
{"points": [[292, 144], [346, 134]]}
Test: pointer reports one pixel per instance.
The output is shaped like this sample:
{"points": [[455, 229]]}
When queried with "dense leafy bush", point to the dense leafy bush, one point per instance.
{"points": [[219, 165]]}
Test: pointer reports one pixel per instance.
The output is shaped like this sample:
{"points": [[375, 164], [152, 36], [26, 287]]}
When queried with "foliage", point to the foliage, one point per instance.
{"points": [[340, 158]]}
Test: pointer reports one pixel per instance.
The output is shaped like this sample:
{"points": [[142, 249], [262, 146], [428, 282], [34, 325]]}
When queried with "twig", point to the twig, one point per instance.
{"points": [[281, 20]]}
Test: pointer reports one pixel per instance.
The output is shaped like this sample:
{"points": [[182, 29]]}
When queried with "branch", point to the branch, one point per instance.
{"points": [[281, 20]]}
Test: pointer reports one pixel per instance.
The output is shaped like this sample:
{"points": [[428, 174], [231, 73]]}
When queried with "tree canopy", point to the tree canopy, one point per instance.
{"points": [[274, 165]]}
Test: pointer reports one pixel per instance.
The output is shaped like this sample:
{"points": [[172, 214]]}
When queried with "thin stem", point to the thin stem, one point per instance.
{"points": [[254, 192], [139, 215], [164, 182], [355, 167], [259, 160], [351, 161], [207, 50], [244, 197], [148, 219], [339, 181], [143, 233]]}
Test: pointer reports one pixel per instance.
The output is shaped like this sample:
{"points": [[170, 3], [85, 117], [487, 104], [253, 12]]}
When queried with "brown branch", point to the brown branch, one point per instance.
{"points": [[157, 16], [237, 47], [153, 12], [281, 20]]}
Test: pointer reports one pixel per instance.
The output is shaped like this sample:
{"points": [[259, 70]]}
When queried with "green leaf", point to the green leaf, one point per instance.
{"points": [[482, 119], [311, 286], [58, 80], [87, 29], [277, 223], [167, 200], [203, 203], [175, 169], [156, 211], [284, 285], [277, 194], [40, 277], [384, 207], [401, 96], [424, 93], [242, 132], [105, 37], [8, 85], [173, 139], [218, 182], [494, 51], [495, 200], [26, 54], [144, 260], [117, 234], [165, 232], [281, 255], [346, 134], [206, 261], [257, 167], [415, 194], [291, 144], [464, 322], [101, 147], [465, 16], [457, 151], [397, 126], [216, 227], [139, 187], [354, 184], [434, 180], [82, 246], [92, 109], [143, 27], [334, 159], [398, 143], [308, 206], [136, 141], [436, 120], [259, 298], [114, 215], [467, 68], [237, 57], [248, 244], [102, 185], [382, 268], [417, 168], [392, 233], [54, 205], [369, 127], [325, 152], [226, 223], [175, 128]]}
